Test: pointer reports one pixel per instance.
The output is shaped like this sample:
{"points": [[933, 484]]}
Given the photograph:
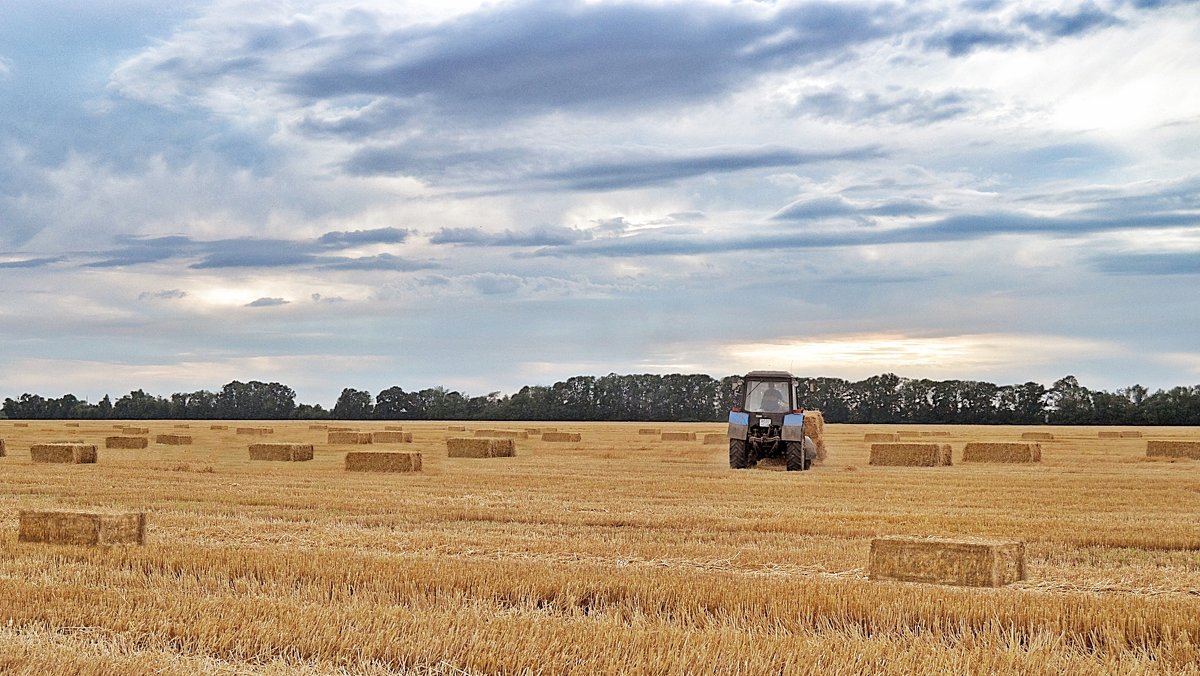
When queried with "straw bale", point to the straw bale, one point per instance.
{"points": [[534, 431], [927, 433], [62, 452], [362, 461], [318, 427], [909, 434], [1037, 436], [1009, 451], [391, 437], [911, 454], [653, 431], [715, 438], [349, 437], [20, 424], [218, 427], [173, 439], [456, 428], [341, 429], [1131, 434], [70, 424], [394, 428], [255, 431], [282, 452], [82, 528], [940, 433], [1173, 449], [481, 448], [503, 434], [678, 436], [126, 442], [549, 429], [881, 437], [135, 430], [3, 449], [182, 426], [562, 436], [1110, 435], [967, 562], [814, 428]]}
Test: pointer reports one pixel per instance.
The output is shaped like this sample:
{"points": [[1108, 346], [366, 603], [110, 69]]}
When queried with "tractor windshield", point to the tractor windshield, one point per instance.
{"points": [[768, 396]]}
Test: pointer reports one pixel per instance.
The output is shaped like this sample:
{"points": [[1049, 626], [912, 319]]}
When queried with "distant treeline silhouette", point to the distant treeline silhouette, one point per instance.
{"points": [[884, 398]]}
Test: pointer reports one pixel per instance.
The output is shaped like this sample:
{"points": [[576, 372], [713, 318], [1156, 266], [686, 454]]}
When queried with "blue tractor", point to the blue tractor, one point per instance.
{"points": [[768, 422]]}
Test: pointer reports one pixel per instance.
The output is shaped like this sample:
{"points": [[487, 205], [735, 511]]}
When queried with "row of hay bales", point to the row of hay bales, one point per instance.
{"points": [[901, 454]]}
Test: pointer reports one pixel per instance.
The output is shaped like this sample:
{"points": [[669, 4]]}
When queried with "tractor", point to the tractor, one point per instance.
{"points": [[768, 422]]}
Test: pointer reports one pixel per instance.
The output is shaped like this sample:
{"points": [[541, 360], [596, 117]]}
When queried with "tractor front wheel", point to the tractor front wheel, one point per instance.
{"points": [[795, 456], [737, 454]]}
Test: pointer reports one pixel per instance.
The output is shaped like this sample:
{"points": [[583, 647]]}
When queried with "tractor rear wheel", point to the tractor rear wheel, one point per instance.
{"points": [[795, 456], [737, 454]]}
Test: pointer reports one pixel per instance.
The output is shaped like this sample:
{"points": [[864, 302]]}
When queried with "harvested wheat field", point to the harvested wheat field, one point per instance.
{"points": [[615, 554]]}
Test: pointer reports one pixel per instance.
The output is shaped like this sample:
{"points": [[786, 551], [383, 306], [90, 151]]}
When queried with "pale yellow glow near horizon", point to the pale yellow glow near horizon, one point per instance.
{"points": [[929, 356]]}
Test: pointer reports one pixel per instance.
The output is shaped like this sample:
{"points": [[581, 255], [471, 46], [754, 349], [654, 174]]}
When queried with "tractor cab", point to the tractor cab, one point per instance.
{"points": [[767, 421]]}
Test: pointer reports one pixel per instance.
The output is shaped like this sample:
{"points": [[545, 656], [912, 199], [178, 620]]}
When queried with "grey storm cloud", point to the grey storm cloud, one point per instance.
{"points": [[360, 237], [1028, 28], [31, 262], [535, 56]]}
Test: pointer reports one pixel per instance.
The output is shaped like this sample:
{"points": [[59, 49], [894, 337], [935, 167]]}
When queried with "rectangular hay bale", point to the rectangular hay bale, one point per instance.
{"points": [[349, 437], [173, 439], [374, 461], [135, 430], [965, 562], [652, 431], [70, 424], [911, 454], [281, 452], [502, 434], [881, 437], [21, 424], [66, 453], [82, 528], [456, 428], [480, 448], [218, 427], [713, 438], [126, 442], [1131, 434], [1173, 449], [1037, 436], [3, 449], [1104, 434], [391, 437], [394, 428], [908, 434], [678, 436], [562, 436], [814, 428], [254, 431], [1003, 451]]}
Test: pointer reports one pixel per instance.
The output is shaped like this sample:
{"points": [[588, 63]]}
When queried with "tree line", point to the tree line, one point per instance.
{"points": [[885, 398]]}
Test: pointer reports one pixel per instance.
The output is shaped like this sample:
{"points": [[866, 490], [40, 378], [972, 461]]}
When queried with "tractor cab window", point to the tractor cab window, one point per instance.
{"points": [[767, 396]]}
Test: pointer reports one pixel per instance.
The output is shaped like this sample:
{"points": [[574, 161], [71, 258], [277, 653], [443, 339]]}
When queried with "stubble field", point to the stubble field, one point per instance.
{"points": [[620, 553]]}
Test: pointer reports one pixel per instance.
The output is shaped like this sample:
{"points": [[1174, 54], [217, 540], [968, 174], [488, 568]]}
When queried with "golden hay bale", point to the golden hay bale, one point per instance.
{"points": [[1110, 435], [1037, 436], [391, 437], [254, 431], [885, 437], [715, 438], [394, 428], [182, 426], [282, 452], [678, 436], [173, 439], [911, 454], [481, 448], [68, 453], [1007, 451], [534, 431], [456, 428], [362, 461], [654, 431], [70, 424], [126, 442], [561, 436], [502, 434], [967, 562], [135, 430], [1173, 449], [1131, 434], [3, 449], [318, 427], [340, 429], [939, 433], [909, 434], [82, 528], [20, 424], [814, 428], [218, 427], [349, 437]]}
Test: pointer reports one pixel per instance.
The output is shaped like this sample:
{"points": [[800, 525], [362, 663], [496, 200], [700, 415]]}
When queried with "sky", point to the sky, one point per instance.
{"points": [[486, 195]]}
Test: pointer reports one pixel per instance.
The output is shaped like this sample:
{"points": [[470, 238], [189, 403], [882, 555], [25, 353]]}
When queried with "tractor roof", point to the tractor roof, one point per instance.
{"points": [[769, 375]]}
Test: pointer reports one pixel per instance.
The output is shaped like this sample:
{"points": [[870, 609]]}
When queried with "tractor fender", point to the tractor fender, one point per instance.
{"points": [[793, 427], [739, 425]]}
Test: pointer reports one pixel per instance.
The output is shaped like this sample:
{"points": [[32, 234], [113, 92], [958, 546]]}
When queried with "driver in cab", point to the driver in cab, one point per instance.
{"points": [[773, 400]]}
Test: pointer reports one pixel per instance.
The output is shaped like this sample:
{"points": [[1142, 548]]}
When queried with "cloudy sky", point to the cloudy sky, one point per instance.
{"points": [[485, 195]]}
